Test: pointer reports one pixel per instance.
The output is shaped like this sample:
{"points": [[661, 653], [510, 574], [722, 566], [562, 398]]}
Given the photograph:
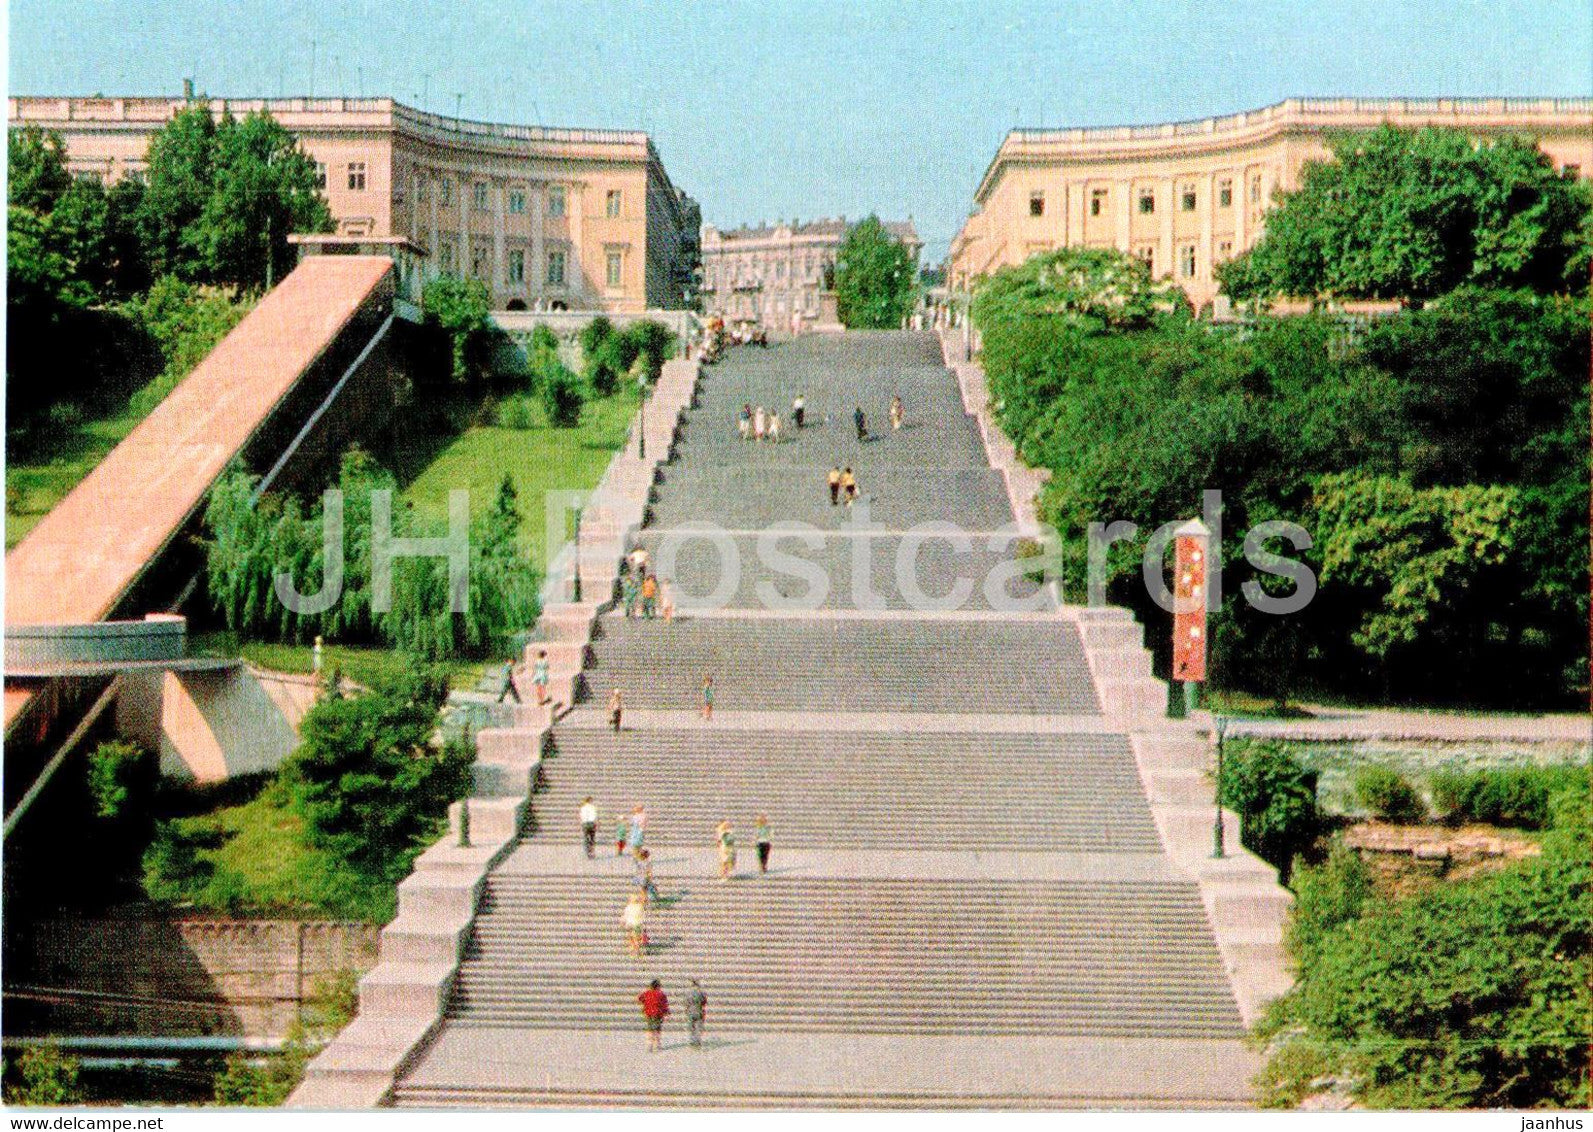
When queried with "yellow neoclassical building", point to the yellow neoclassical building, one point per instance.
{"points": [[546, 217], [1185, 196]]}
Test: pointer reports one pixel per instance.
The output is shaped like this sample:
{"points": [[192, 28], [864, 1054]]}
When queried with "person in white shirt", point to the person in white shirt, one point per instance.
{"points": [[589, 826]]}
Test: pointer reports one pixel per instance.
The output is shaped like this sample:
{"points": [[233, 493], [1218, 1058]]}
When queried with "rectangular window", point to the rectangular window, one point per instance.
{"points": [[517, 267], [616, 269], [320, 175], [556, 268], [356, 175], [420, 189], [445, 257], [445, 191], [1146, 253], [1224, 251], [1189, 198], [1147, 201], [1097, 201], [1186, 261], [480, 203], [779, 270], [556, 200], [1037, 203], [1255, 189], [612, 206], [517, 202], [1225, 193], [478, 261]]}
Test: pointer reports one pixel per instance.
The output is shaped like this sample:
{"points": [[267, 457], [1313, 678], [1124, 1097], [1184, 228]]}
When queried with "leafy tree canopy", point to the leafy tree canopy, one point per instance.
{"points": [[1412, 214], [874, 278]]}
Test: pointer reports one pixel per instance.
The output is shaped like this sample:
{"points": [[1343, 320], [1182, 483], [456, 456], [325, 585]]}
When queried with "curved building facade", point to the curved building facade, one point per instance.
{"points": [[1186, 196], [547, 218]]}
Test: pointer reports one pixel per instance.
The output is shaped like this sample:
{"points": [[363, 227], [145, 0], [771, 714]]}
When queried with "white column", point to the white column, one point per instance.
{"points": [[1125, 202], [1166, 193], [499, 274], [539, 268]]}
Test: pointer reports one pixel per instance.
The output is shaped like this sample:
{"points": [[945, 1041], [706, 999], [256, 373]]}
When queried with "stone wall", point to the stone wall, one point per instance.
{"points": [[175, 978]]}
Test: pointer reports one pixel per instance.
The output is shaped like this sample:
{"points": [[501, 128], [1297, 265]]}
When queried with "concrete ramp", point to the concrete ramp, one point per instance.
{"points": [[78, 563]]}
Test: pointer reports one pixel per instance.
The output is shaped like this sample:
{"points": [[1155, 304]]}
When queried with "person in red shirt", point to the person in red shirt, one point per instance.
{"points": [[655, 1008]]}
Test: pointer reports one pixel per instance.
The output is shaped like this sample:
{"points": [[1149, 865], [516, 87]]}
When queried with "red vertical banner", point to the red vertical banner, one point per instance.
{"points": [[1190, 554]]}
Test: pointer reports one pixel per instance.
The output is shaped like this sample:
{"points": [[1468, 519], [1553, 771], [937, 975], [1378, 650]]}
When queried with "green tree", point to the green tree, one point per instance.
{"points": [[874, 282], [1413, 214], [45, 1077], [461, 309], [370, 777], [36, 169], [178, 182]]}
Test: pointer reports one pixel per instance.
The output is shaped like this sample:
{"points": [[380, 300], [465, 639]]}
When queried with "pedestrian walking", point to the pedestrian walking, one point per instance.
{"points": [[848, 486], [774, 428], [616, 709], [589, 827], [622, 834], [315, 657], [760, 423], [765, 843], [644, 876], [666, 600], [637, 831], [655, 1008], [509, 690], [835, 486], [744, 421], [631, 588], [540, 678], [727, 851], [861, 422], [708, 697], [896, 414], [799, 409], [649, 597], [696, 1014], [634, 921]]}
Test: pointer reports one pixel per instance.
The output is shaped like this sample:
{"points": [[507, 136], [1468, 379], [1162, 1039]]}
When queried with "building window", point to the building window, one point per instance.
{"points": [[1146, 253], [1225, 193], [1255, 189], [517, 267], [612, 207], [1186, 261], [556, 200], [517, 201], [445, 257], [478, 260], [616, 269], [1570, 172], [356, 175], [779, 270], [1224, 251], [1147, 201], [420, 190], [480, 202], [1097, 201], [556, 268], [320, 175], [1037, 203], [1188, 200], [445, 191]]}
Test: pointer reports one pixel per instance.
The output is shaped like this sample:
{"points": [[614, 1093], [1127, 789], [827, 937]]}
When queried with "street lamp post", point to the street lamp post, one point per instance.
{"points": [[1220, 725], [641, 419], [577, 584]]}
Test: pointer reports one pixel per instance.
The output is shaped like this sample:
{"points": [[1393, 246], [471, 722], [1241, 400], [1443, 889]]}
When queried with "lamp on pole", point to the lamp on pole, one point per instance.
{"points": [[641, 418], [1220, 725], [576, 588]]}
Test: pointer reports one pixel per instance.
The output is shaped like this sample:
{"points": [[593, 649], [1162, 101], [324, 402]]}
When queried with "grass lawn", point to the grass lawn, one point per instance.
{"points": [[540, 459], [40, 476]]}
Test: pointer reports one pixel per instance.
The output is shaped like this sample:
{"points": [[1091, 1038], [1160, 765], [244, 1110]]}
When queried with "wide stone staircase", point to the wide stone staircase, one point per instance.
{"points": [[971, 901]]}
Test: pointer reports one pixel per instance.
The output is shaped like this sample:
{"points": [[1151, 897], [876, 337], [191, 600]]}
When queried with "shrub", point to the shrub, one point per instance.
{"points": [[1275, 798], [1326, 896], [561, 396], [516, 413], [118, 772], [1387, 794], [654, 342], [543, 338], [1516, 796], [255, 1082], [45, 1076], [594, 334], [173, 868], [603, 367]]}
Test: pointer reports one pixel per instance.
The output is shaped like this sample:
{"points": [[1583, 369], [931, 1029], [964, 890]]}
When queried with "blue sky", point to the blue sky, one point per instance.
{"points": [[768, 109]]}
